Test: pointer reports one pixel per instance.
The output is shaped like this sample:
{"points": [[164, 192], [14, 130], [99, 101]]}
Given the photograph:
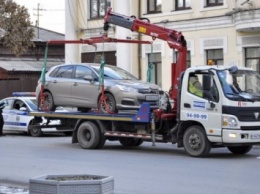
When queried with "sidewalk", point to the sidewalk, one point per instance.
{"points": [[12, 190], [13, 187]]}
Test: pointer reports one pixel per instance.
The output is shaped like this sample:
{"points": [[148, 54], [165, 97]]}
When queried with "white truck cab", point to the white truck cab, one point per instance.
{"points": [[228, 106]]}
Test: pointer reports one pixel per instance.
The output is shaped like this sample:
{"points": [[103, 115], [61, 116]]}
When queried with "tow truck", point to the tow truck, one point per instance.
{"points": [[224, 115]]}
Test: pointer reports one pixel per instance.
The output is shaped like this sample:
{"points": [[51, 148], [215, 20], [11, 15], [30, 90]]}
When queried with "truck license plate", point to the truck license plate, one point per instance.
{"points": [[255, 136]]}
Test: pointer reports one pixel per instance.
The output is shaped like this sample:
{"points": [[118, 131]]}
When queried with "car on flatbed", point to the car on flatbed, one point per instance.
{"points": [[17, 119], [78, 85]]}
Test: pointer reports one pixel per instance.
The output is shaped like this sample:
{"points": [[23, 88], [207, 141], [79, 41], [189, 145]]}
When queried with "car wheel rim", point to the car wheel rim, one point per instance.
{"points": [[109, 105]]}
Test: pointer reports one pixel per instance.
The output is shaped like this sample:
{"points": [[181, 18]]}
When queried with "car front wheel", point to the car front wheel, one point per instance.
{"points": [[109, 106], [48, 103]]}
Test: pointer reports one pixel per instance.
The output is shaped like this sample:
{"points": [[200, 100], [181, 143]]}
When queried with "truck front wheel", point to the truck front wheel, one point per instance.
{"points": [[239, 149], [195, 141], [88, 135]]}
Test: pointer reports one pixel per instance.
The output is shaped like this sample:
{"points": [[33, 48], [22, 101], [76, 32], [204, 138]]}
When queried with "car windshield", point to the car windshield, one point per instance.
{"points": [[32, 103], [113, 72], [240, 83]]}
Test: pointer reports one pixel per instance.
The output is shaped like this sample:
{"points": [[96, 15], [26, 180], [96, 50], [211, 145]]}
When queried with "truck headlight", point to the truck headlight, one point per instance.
{"points": [[229, 122], [126, 88]]}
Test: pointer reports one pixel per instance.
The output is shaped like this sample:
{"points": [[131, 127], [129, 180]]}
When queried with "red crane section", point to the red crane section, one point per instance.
{"points": [[174, 39]]}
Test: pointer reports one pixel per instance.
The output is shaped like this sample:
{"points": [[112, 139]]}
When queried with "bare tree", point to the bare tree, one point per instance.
{"points": [[15, 26]]}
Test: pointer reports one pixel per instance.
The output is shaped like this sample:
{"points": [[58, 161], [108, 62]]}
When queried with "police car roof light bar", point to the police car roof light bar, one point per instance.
{"points": [[19, 94]]}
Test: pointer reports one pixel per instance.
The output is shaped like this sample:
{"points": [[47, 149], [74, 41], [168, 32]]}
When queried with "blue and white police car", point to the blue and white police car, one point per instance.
{"points": [[16, 116]]}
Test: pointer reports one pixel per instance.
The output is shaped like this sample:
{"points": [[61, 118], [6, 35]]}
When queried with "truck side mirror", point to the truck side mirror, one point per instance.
{"points": [[207, 82]]}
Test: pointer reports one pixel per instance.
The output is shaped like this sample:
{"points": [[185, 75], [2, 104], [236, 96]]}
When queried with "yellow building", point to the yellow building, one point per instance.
{"points": [[219, 31]]}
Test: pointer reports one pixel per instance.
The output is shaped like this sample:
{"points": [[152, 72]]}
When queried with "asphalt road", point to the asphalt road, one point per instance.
{"points": [[163, 169]]}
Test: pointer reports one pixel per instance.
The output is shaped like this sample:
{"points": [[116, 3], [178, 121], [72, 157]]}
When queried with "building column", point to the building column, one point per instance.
{"points": [[123, 50], [72, 51]]}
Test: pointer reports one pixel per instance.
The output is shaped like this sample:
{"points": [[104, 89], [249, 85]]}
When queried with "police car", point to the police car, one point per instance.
{"points": [[16, 116]]}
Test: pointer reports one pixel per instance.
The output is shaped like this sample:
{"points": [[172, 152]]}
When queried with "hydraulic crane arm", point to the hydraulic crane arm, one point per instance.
{"points": [[174, 39]]}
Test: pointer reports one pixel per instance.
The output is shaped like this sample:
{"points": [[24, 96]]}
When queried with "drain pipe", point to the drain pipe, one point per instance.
{"points": [[139, 45]]}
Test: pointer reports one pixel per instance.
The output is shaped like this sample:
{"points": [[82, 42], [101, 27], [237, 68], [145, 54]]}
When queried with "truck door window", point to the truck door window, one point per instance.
{"points": [[196, 87]]}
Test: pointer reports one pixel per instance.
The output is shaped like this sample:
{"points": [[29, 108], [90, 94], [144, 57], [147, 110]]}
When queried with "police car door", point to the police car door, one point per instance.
{"points": [[21, 117], [8, 114]]}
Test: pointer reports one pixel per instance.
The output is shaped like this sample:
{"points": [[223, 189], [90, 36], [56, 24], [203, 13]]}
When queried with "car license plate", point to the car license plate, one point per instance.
{"points": [[152, 97], [255, 136]]}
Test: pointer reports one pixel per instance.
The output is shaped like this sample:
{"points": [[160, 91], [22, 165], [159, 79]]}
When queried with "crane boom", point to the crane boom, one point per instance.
{"points": [[174, 39]]}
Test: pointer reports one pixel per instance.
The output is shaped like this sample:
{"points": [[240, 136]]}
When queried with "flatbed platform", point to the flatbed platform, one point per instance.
{"points": [[143, 115]]}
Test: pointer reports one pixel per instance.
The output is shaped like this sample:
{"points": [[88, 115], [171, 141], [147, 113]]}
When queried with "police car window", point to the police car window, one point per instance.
{"points": [[32, 103], [8, 103], [18, 104]]}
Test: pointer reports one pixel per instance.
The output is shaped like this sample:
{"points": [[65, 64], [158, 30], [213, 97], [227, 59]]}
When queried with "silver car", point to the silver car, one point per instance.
{"points": [[77, 85]]}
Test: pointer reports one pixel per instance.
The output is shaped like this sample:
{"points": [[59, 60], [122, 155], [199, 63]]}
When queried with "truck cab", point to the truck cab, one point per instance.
{"points": [[227, 107]]}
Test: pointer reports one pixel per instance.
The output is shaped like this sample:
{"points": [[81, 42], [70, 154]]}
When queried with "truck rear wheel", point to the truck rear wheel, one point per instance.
{"points": [[239, 149], [128, 142], [88, 135], [196, 142]]}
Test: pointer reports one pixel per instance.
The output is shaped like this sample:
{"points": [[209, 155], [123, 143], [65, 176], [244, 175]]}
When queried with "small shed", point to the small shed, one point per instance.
{"points": [[21, 74]]}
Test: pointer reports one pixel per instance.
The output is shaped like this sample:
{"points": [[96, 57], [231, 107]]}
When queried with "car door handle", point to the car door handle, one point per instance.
{"points": [[75, 84], [54, 81]]}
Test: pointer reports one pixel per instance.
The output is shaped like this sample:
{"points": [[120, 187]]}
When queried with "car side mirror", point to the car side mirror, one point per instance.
{"points": [[23, 109], [207, 82]]}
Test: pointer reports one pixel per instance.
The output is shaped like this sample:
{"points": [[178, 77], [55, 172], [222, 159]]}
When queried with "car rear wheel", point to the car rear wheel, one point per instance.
{"points": [[111, 104], [48, 104]]}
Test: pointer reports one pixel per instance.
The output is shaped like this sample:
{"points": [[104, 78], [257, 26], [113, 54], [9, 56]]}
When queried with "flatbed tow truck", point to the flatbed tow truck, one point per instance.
{"points": [[221, 116]]}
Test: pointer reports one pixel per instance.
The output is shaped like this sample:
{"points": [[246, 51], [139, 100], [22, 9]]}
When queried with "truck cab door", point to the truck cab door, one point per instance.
{"points": [[203, 104]]}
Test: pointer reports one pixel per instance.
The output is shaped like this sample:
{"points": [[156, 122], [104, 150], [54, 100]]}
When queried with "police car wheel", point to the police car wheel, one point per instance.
{"points": [[35, 132]]}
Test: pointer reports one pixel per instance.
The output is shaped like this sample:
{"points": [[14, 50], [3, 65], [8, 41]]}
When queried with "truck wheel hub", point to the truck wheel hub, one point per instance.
{"points": [[194, 141]]}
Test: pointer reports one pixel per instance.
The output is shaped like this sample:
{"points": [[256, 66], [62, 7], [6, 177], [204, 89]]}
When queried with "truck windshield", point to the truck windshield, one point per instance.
{"points": [[240, 84]]}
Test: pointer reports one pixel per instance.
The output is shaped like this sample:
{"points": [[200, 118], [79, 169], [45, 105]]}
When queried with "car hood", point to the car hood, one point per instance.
{"points": [[137, 84]]}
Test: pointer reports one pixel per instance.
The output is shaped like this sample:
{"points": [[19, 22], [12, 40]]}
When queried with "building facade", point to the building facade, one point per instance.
{"points": [[223, 32]]}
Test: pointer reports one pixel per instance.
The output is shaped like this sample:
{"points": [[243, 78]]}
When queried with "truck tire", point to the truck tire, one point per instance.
{"points": [[239, 149], [129, 142], [88, 135], [195, 141]]}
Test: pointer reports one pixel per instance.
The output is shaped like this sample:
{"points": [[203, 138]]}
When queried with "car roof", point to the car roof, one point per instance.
{"points": [[84, 64], [20, 98]]}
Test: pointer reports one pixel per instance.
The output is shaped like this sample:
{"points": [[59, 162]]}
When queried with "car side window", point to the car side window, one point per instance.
{"points": [[64, 72], [82, 71], [8, 103]]}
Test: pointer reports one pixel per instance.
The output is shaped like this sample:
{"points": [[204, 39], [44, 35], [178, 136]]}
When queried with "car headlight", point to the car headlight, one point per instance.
{"points": [[229, 122], [126, 88]]}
